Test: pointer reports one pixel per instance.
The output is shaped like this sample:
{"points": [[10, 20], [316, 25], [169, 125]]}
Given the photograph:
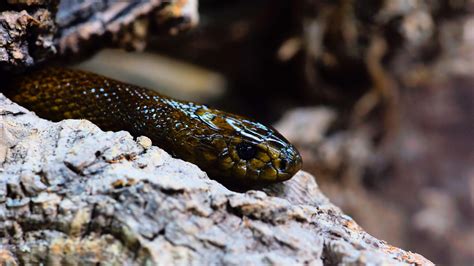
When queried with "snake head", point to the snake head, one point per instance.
{"points": [[248, 150], [271, 159]]}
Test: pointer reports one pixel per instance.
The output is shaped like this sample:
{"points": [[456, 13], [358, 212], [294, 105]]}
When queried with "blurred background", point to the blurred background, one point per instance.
{"points": [[377, 96]]}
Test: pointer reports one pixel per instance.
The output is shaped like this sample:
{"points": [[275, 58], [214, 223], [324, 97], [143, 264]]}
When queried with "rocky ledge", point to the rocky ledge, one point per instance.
{"points": [[73, 194]]}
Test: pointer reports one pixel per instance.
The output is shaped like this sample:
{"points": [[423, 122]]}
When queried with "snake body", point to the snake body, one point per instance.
{"points": [[225, 145]]}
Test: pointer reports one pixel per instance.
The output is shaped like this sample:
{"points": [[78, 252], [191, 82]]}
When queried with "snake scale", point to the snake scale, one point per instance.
{"points": [[227, 146]]}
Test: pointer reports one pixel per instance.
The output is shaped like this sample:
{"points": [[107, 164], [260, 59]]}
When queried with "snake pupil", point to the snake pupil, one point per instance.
{"points": [[283, 164], [246, 151]]}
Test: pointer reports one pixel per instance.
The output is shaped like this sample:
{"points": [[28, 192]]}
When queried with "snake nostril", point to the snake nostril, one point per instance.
{"points": [[283, 164]]}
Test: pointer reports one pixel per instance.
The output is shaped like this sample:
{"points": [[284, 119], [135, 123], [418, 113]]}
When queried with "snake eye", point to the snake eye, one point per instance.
{"points": [[283, 164], [246, 151]]}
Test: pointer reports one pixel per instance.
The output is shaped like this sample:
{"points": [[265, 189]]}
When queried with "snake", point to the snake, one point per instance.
{"points": [[226, 146]]}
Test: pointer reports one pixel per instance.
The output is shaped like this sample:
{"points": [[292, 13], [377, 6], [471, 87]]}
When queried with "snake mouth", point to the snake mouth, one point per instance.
{"points": [[291, 168], [283, 167]]}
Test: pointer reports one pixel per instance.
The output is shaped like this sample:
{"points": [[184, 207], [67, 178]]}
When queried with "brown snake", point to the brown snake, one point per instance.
{"points": [[226, 146]]}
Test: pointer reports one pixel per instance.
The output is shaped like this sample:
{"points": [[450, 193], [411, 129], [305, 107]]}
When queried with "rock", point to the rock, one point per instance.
{"points": [[74, 194], [33, 31], [26, 37]]}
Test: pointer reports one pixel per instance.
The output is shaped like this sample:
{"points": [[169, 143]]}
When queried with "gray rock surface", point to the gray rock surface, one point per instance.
{"points": [[71, 193]]}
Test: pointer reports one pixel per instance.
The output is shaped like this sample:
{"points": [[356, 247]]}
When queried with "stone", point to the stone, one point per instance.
{"points": [[79, 195]]}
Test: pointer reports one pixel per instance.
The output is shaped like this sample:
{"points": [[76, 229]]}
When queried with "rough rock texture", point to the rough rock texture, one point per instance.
{"points": [[90, 24], [395, 150], [34, 31], [71, 193], [26, 37], [339, 159]]}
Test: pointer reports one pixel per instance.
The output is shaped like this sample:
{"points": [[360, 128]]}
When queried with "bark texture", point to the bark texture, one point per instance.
{"points": [[71, 193]]}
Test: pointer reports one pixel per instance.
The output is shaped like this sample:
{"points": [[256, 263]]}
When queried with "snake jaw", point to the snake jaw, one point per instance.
{"points": [[293, 165], [283, 164]]}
